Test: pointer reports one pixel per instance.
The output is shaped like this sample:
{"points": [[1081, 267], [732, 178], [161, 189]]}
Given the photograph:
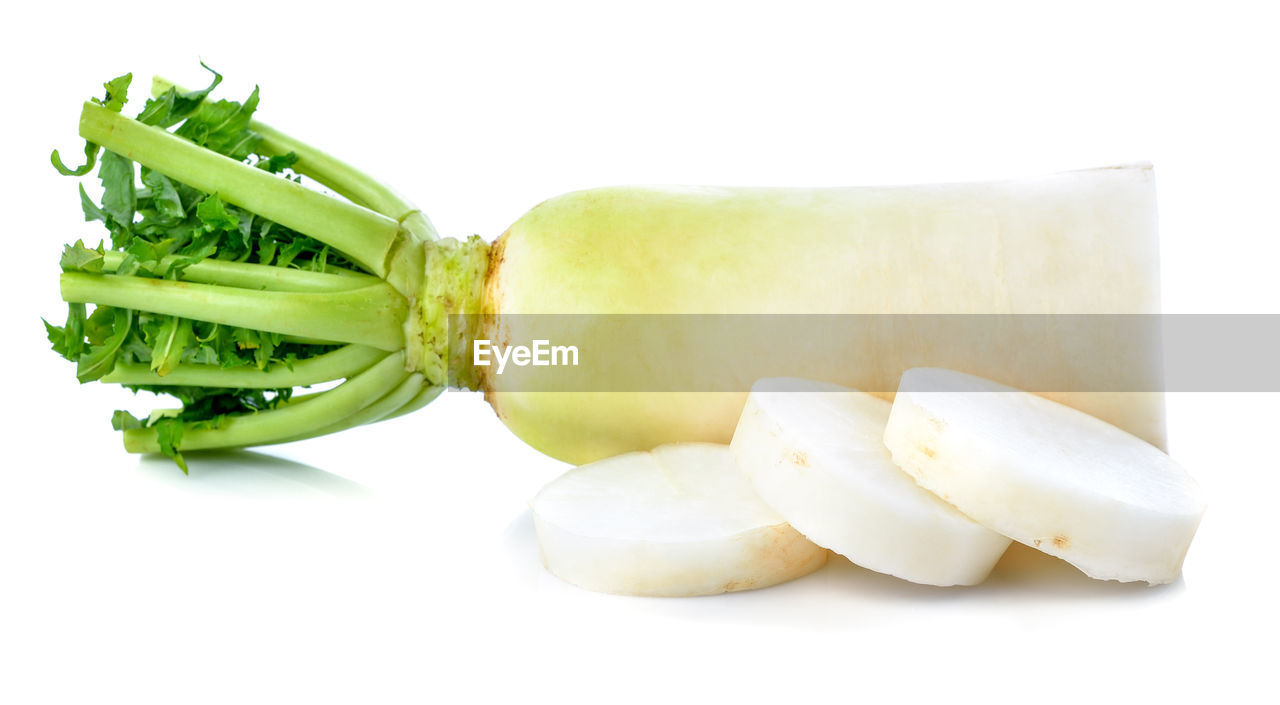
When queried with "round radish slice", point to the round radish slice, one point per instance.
{"points": [[815, 454], [1046, 475], [676, 521]]}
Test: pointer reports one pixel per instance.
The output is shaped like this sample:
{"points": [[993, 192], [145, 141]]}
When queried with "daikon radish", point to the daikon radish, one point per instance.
{"points": [[1081, 242], [232, 288]]}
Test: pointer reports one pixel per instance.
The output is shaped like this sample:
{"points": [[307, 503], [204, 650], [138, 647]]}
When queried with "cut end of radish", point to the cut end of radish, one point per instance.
{"points": [[1046, 475], [680, 520], [814, 452]]}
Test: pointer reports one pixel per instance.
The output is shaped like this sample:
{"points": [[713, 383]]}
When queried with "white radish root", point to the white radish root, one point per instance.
{"points": [[680, 520], [814, 452], [1046, 475]]}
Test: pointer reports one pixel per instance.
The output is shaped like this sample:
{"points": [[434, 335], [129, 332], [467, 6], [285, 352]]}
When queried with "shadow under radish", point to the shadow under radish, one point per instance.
{"points": [[250, 474]]}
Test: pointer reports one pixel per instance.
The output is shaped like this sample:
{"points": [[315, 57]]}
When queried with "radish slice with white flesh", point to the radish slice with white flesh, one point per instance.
{"points": [[814, 452], [1046, 475], [679, 520]]}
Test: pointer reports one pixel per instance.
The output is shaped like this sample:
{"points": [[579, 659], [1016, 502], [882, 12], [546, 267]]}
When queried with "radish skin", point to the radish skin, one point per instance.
{"points": [[1079, 242], [1046, 475], [681, 520], [814, 453]]}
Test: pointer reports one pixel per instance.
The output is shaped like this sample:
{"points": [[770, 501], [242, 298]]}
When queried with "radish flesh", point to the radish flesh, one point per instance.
{"points": [[814, 452], [679, 520], [1046, 475]]}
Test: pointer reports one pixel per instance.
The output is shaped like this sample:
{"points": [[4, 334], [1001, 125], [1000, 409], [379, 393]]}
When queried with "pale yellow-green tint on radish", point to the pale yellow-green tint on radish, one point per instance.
{"points": [[1077, 242]]}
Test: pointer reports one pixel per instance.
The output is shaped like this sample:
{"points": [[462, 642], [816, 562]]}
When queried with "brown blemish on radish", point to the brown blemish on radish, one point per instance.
{"points": [[1059, 541], [734, 585], [491, 298]]}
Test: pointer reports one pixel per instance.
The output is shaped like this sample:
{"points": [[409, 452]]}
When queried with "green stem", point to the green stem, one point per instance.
{"points": [[342, 363], [424, 397], [385, 407], [372, 315], [253, 276], [346, 180], [363, 235], [286, 423]]}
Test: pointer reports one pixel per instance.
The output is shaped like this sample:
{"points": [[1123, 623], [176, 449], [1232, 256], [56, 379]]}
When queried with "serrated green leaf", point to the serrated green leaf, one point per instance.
{"points": [[57, 337], [278, 163], [119, 197], [165, 218], [68, 340], [147, 254], [78, 258], [98, 327], [266, 251], [213, 214], [164, 197], [102, 358], [91, 210], [90, 159], [116, 97], [169, 344], [124, 421], [173, 107], [117, 93], [128, 266], [292, 249], [223, 126], [169, 438]]}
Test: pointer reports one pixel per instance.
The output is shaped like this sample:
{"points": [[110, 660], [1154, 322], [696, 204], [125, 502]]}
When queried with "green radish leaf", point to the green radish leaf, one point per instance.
{"points": [[173, 107], [164, 197], [148, 254], [68, 340], [292, 249], [90, 159], [169, 345], [99, 325], [169, 437], [128, 266], [124, 421], [101, 359], [164, 218], [119, 198], [117, 95], [78, 258], [213, 214], [91, 210], [223, 126], [278, 163], [57, 338]]}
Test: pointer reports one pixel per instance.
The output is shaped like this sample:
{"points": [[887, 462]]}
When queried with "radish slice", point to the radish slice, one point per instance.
{"points": [[677, 521], [1046, 475], [815, 454]]}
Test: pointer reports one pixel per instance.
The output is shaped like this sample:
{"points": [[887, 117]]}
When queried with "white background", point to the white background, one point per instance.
{"points": [[397, 563]]}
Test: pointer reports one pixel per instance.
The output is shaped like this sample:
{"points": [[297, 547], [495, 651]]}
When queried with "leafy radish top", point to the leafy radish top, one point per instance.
{"points": [[160, 228]]}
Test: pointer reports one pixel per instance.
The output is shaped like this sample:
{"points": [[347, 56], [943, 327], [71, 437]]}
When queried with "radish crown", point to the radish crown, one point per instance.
{"points": [[228, 284]]}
